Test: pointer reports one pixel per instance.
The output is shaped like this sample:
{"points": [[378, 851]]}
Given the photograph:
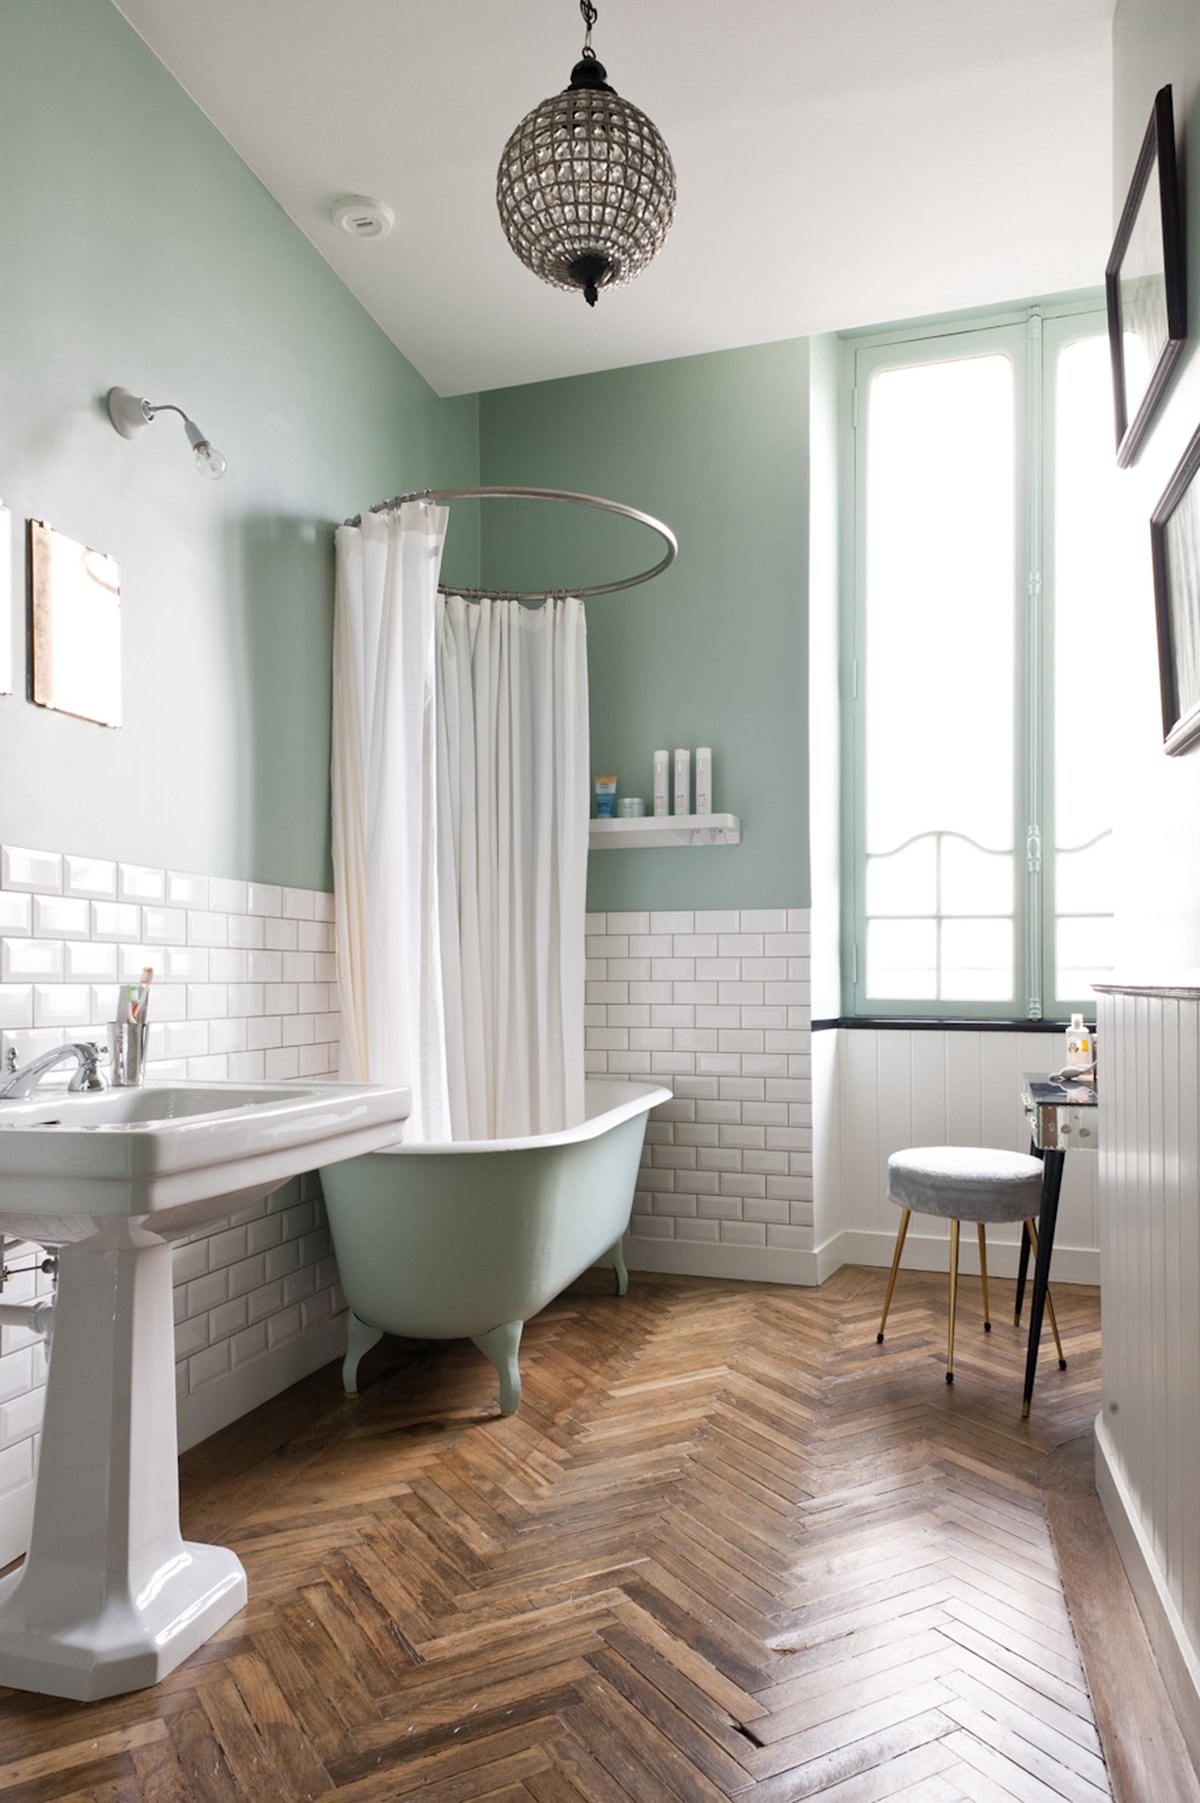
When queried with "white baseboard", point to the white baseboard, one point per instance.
{"points": [[227, 1398], [699, 1258], [931, 1252], [853, 1246], [1178, 1659]]}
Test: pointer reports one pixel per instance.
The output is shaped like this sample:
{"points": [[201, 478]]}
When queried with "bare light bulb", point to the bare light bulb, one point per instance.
{"points": [[209, 460]]}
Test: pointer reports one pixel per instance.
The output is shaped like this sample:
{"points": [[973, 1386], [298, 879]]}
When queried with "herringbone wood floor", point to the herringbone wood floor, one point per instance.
{"points": [[729, 1548]]}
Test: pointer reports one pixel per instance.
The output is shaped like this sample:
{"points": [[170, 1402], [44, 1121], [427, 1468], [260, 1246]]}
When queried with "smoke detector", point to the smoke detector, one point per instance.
{"points": [[362, 217]]}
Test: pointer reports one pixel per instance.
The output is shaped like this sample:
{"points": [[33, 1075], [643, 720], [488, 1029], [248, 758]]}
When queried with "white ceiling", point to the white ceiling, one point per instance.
{"points": [[840, 162]]}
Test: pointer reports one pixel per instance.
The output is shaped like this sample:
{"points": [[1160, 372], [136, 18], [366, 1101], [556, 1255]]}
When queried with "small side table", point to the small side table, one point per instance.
{"points": [[1061, 1116]]}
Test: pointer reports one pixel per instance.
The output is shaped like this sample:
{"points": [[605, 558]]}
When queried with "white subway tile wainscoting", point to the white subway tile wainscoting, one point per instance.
{"points": [[244, 989], [714, 1003]]}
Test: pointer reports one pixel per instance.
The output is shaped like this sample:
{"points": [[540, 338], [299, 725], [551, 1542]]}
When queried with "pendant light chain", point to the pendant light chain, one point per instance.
{"points": [[589, 18]]}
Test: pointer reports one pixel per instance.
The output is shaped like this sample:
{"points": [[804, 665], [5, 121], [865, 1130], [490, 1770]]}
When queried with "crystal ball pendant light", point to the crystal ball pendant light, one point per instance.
{"points": [[586, 185]]}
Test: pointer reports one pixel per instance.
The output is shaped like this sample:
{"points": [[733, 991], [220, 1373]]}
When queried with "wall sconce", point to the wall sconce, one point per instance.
{"points": [[130, 415]]}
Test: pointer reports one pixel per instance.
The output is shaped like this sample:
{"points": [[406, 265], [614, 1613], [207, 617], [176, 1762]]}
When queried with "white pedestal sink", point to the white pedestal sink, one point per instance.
{"points": [[110, 1597]]}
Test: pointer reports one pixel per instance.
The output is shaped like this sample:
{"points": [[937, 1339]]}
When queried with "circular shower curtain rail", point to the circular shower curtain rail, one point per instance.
{"points": [[543, 494]]}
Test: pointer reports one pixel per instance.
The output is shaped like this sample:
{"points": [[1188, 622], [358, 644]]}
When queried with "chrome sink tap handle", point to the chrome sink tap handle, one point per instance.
{"points": [[23, 1083], [89, 1075]]}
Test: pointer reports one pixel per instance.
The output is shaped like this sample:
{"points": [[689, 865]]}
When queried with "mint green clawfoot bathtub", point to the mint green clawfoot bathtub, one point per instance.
{"points": [[469, 1239]]}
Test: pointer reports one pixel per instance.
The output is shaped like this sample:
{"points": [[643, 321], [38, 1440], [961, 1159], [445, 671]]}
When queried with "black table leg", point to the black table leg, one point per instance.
{"points": [[1023, 1256], [1052, 1173]]}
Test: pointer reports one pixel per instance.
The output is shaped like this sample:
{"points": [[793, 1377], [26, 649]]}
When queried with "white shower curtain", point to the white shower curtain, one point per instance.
{"points": [[384, 798], [512, 713], [460, 811]]}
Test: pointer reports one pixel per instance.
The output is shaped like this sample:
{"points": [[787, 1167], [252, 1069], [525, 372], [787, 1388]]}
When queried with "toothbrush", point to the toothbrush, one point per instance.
{"points": [[138, 1005]]}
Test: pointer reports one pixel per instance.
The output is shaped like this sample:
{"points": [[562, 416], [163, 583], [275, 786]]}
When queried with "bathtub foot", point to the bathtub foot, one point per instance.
{"points": [[359, 1340], [500, 1345], [615, 1256]]}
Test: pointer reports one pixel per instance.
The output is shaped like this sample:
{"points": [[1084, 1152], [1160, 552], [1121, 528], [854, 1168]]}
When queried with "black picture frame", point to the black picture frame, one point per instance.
{"points": [[1175, 547], [1145, 283]]}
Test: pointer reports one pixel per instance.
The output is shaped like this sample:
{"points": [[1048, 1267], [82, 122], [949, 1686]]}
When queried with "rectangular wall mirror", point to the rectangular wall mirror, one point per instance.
{"points": [[76, 627]]}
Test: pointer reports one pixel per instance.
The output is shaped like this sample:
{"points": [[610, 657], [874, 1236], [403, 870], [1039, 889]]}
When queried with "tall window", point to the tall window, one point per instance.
{"points": [[988, 581]]}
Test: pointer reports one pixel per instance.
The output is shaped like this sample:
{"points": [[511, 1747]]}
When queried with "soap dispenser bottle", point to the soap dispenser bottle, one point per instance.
{"points": [[1078, 1045]]}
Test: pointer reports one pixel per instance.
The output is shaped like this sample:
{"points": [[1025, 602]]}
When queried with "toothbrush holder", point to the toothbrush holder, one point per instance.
{"points": [[127, 1053]]}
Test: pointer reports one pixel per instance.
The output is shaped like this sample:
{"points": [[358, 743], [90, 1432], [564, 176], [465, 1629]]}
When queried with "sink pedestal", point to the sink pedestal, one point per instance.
{"points": [[110, 1597]]}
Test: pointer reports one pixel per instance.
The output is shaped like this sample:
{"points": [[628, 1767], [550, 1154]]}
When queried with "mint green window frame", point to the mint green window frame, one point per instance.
{"points": [[1033, 339]]}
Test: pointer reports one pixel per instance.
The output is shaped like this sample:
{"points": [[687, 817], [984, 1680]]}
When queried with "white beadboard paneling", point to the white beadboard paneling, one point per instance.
{"points": [[963, 1084], [1148, 1464], [900, 1087]]}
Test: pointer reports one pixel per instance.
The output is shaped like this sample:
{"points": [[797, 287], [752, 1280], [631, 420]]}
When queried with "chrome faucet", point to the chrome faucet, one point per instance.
{"points": [[22, 1083]]}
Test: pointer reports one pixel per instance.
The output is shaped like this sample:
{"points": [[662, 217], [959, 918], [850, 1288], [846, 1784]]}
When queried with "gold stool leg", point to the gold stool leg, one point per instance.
{"points": [[887, 1301], [954, 1225], [1062, 1363], [987, 1313]]}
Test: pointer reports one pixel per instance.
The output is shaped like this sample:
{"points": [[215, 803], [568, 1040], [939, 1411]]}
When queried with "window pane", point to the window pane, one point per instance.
{"points": [[902, 960], [939, 602], [1099, 572], [904, 882], [977, 959], [974, 881], [939, 677], [1083, 880], [1084, 949]]}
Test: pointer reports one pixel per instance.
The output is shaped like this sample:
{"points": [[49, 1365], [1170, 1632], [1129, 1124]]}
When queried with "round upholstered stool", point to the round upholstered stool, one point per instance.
{"points": [[965, 1183]]}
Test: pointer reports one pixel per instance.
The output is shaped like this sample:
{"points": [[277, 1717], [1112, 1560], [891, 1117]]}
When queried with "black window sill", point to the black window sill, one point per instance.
{"points": [[893, 1023]]}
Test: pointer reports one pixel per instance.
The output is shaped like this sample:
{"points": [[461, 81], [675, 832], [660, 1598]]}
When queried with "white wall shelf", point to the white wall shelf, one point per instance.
{"points": [[668, 829]]}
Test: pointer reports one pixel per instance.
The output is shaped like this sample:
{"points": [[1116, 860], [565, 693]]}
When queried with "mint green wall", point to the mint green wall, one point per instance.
{"points": [[136, 248], [712, 653]]}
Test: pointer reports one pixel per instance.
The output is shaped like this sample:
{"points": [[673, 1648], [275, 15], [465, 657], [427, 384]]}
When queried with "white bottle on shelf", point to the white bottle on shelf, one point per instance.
{"points": [[662, 766], [1078, 1045], [703, 779], [683, 780]]}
